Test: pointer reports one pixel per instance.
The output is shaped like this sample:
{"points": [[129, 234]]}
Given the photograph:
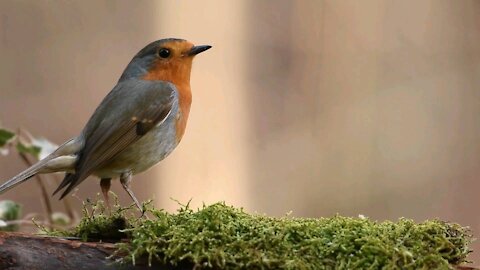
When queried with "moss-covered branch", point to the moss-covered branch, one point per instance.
{"points": [[223, 237]]}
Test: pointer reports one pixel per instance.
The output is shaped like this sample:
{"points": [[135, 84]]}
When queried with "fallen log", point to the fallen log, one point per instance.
{"points": [[25, 251]]}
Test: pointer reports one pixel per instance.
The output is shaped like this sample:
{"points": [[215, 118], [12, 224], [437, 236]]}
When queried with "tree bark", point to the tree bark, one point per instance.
{"points": [[33, 252]]}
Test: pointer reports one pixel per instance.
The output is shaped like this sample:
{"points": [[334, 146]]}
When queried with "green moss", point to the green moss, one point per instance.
{"points": [[99, 224], [223, 237]]}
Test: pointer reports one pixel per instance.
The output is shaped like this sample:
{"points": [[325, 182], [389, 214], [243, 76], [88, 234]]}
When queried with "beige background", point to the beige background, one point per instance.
{"points": [[320, 107]]}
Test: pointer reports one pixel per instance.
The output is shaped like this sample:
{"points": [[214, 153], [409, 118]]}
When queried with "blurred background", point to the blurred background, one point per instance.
{"points": [[316, 107]]}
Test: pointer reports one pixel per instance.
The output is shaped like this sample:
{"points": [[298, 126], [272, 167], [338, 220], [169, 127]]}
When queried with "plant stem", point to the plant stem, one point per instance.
{"points": [[24, 222]]}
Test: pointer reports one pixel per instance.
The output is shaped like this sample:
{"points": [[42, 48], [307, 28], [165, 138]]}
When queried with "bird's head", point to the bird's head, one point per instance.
{"points": [[165, 59]]}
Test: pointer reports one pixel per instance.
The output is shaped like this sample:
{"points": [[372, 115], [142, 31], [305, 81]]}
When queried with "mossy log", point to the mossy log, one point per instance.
{"points": [[224, 237], [25, 251]]}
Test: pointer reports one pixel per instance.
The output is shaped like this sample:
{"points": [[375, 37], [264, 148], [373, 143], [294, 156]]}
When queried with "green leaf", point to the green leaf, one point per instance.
{"points": [[46, 147], [9, 210], [29, 149], [5, 136]]}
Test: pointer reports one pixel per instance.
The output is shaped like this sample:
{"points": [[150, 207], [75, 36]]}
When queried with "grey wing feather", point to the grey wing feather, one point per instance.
{"points": [[127, 113]]}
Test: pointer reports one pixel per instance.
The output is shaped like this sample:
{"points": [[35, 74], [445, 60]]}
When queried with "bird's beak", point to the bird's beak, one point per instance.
{"points": [[198, 49]]}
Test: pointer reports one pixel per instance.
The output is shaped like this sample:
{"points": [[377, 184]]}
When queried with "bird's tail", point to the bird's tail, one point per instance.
{"points": [[62, 159], [22, 177]]}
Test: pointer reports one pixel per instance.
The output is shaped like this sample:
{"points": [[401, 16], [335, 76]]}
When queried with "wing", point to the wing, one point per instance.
{"points": [[127, 113]]}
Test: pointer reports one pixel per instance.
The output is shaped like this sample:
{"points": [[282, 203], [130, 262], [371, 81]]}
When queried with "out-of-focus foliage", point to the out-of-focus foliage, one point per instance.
{"points": [[9, 210], [29, 148], [37, 147], [5, 137], [59, 218], [46, 147]]}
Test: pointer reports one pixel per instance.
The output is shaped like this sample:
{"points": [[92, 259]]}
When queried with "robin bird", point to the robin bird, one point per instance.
{"points": [[137, 124]]}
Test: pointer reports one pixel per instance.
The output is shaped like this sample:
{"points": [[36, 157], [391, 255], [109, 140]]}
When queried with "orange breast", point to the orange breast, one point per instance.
{"points": [[184, 102], [178, 73]]}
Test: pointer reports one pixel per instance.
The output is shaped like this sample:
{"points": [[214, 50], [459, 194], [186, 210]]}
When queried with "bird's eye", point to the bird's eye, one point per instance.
{"points": [[164, 53]]}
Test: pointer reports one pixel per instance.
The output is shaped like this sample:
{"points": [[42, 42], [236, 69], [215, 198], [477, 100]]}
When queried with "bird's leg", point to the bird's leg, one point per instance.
{"points": [[105, 185], [125, 179]]}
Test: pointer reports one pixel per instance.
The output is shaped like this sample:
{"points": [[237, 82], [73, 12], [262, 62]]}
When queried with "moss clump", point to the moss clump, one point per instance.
{"points": [[223, 237], [99, 224]]}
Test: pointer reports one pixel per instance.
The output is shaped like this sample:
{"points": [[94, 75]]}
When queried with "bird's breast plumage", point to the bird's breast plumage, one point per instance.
{"points": [[184, 103]]}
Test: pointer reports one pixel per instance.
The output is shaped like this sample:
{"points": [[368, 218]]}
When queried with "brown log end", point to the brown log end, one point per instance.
{"points": [[24, 251]]}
